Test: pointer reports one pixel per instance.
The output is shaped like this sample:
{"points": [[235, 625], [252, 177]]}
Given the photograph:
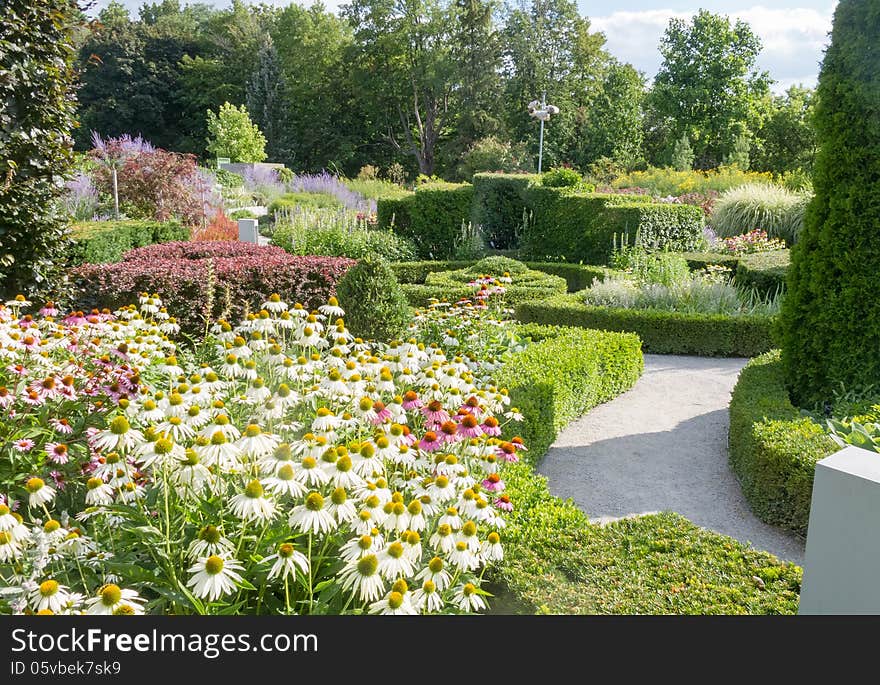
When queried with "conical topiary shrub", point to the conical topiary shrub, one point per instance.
{"points": [[375, 305], [831, 316]]}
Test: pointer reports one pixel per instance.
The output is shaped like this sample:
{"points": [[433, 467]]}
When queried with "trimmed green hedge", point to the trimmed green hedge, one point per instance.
{"points": [[580, 227], [291, 200], [499, 206], [417, 272], [557, 562], [773, 448], [431, 217], [711, 335], [103, 242], [763, 271], [700, 260]]}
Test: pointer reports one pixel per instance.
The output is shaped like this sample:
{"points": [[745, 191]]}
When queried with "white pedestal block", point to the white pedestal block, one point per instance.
{"points": [[248, 231], [842, 564]]}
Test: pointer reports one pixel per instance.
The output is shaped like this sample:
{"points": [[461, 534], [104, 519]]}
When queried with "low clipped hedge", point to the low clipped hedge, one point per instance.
{"points": [[193, 279], [763, 271], [661, 332], [700, 260], [773, 447], [577, 276], [557, 562], [499, 205], [102, 242], [291, 200], [431, 217], [581, 227]]}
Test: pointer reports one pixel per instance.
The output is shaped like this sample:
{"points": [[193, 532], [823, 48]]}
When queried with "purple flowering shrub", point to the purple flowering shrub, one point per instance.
{"points": [[200, 280]]}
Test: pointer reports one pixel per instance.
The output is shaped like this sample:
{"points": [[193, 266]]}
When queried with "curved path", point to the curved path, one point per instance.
{"points": [[662, 446]]}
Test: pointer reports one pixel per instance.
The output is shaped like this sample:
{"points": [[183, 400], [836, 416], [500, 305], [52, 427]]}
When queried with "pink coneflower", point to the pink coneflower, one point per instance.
{"points": [[48, 387], [382, 413], [23, 445], [61, 425], [518, 443], [58, 479], [48, 309], [17, 369], [430, 442], [75, 319], [32, 397], [471, 406], [411, 401], [493, 483], [449, 430], [503, 503], [30, 343], [6, 397], [434, 413], [490, 426], [57, 452], [507, 452], [469, 426], [408, 438]]}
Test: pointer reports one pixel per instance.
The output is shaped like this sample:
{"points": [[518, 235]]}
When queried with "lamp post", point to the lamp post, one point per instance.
{"points": [[541, 111]]}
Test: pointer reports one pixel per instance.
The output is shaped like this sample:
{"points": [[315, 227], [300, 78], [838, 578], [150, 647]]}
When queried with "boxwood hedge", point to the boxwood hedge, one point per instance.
{"points": [[499, 206], [763, 271], [103, 242], [773, 447], [661, 332]]}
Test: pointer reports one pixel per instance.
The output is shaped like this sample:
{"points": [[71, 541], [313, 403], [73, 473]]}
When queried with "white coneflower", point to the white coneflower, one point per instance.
{"points": [[7, 520], [310, 473], [398, 517], [343, 476], [210, 542], [332, 309], [174, 405], [287, 560], [463, 558], [224, 425], [467, 599], [218, 451], [310, 337], [359, 547], [258, 392], [214, 577], [340, 507], [230, 367], [51, 595], [367, 463], [282, 456], [443, 540], [412, 545], [39, 493], [325, 421], [196, 418], [251, 505], [468, 535], [150, 411], [312, 517], [98, 492], [393, 562], [175, 427], [398, 602], [334, 386], [55, 533], [130, 492], [283, 482], [191, 473], [427, 598], [451, 518], [491, 547], [112, 599], [10, 548], [417, 520], [362, 578], [436, 572], [275, 304], [255, 443], [162, 452], [119, 435]]}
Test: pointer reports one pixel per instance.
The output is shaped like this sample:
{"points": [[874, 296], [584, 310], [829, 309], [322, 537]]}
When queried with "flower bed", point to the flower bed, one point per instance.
{"points": [[773, 448], [661, 332], [206, 280], [293, 470]]}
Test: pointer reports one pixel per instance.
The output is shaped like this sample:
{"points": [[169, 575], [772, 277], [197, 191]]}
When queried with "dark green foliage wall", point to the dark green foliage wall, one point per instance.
{"points": [[37, 103], [375, 306], [499, 203], [831, 316]]}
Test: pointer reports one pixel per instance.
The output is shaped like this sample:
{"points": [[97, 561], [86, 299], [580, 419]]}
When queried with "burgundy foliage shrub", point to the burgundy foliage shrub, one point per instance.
{"points": [[184, 274]]}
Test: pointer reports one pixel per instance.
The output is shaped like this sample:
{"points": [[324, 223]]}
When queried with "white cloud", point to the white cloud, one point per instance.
{"points": [[793, 39]]}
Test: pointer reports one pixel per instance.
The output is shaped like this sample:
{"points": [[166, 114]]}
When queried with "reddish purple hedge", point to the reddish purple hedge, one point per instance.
{"points": [[178, 272]]}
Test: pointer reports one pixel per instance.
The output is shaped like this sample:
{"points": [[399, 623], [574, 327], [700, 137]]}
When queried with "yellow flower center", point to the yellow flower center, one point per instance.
{"points": [[213, 565], [314, 502], [110, 594], [254, 489], [34, 485], [49, 588]]}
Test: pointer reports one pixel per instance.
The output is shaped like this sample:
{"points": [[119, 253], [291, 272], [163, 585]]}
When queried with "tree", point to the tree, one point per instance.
{"points": [[36, 120], [787, 139], [739, 155], [682, 155], [231, 133], [265, 101], [831, 313], [405, 69], [708, 87], [612, 126]]}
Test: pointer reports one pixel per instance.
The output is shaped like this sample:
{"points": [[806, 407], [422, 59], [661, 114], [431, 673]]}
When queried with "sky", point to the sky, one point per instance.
{"points": [[794, 33]]}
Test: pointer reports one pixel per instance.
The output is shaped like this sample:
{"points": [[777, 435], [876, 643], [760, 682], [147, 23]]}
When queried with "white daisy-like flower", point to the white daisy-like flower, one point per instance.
{"points": [[359, 547], [362, 578], [210, 542], [162, 451], [436, 572], [312, 517], [111, 599], [119, 436], [224, 425], [213, 577], [287, 561], [443, 540], [310, 473], [49, 595], [191, 474], [10, 547], [7, 520], [395, 603], [393, 562], [463, 558], [491, 548], [39, 493], [218, 451], [98, 493], [255, 443], [467, 599], [341, 507], [325, 421], [251, 505], [274, 304], [427, 598], [332, 309]]}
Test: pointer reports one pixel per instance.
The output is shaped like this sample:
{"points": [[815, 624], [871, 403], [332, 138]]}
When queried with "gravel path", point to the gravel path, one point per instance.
{"points": [[662, 446]]}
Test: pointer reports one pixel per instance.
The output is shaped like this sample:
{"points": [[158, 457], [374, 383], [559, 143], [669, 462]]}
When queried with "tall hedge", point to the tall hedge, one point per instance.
{"points": [[36, 120], [831, 316], [499, 204]]}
